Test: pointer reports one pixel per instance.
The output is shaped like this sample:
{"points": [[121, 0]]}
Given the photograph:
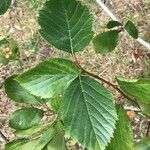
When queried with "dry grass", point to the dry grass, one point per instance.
{"points": [[130, 59]]}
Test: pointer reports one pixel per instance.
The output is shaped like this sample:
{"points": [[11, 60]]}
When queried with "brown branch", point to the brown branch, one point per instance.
{"points": [[105, 81]]}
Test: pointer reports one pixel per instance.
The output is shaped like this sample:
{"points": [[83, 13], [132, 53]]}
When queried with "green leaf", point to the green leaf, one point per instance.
{"points": [[66, 24], [57, 143], [25, 118], [137, 88], [15, 145], [21, 145], [145, 108], [106, 41], [131, 29], [44, 139], [36, 144], [56, 104], [30, 132], [49, 78], [123, 138], [112, 24], [144, 144], [3, 40], [89, 113], [4, 5], [17, 93]]}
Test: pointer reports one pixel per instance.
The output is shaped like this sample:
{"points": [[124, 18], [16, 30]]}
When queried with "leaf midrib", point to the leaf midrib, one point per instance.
{"points": [[68, 25], [82, 91]]}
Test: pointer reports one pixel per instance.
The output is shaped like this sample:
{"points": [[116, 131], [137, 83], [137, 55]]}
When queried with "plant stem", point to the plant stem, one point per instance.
{"points": [[112, 85], [105, 81], [113, 17]]}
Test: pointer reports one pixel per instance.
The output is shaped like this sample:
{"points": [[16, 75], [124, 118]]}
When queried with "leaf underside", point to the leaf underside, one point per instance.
{"points": [[66, 24], [89, 113], [49, 78]]}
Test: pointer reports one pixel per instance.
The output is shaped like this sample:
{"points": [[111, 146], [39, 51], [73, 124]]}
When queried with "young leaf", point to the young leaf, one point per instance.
{"points": [[89, 113], [112, 24], [123, 138], [57, 143], [106, 41], [131, 29], [25, 118], [137, 88], [17, 93], [4, 5], [144, 144], [66, 24], [49, 78]]}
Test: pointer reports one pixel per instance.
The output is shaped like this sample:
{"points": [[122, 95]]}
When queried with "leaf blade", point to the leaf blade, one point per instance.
{"points": [[68, 29], [112, 24], [91, 133], [49, 78], [25, 118], [131, 29], [4, 5], [121, 139], [17, 93], [137, 88], [57, 143], [144, 144], [106, 41]]}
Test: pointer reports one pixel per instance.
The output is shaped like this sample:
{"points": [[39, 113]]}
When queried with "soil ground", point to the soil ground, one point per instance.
{"points": [[129, 59]]}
